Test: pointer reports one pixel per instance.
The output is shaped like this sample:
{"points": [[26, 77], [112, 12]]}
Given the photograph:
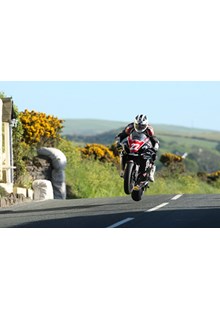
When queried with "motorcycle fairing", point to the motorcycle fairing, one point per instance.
{"points": [[136, 144]]}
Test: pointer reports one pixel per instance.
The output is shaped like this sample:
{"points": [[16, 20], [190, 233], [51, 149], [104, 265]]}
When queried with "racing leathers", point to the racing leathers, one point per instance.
{"points": [[155, 143]]}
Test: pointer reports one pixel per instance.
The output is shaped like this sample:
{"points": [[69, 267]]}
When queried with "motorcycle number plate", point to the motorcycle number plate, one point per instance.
{"points": [[134, 147]]}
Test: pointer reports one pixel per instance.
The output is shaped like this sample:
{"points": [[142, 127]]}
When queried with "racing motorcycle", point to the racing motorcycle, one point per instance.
{"points": [[137, 158]]}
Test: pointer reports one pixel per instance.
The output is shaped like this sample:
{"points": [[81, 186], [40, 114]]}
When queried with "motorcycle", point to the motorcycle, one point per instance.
{"points": [[137, 159]]}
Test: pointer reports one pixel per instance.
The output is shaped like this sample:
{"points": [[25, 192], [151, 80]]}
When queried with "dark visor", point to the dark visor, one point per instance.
{"points": [[140, 126]]}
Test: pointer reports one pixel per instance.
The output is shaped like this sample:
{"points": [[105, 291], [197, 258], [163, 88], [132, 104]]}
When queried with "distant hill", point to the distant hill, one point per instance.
{"points": [[90, 126], [187, 132], [94, 127]]}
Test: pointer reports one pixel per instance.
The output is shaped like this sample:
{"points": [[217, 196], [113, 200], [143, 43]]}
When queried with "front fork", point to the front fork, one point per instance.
{"points": [[142, 168], [122, 162]]}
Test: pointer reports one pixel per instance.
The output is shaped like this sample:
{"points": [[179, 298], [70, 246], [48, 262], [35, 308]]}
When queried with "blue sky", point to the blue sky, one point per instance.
{"points": [[190, 104]]}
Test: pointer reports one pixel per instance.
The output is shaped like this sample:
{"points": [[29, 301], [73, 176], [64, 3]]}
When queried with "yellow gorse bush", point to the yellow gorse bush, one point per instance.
{"points": [[98, 152], [214, 175], [40, 128], [169, 158]]}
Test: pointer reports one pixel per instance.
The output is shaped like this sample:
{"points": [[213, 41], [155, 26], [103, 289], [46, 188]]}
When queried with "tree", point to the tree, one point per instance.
{"points": [[2, 95]]}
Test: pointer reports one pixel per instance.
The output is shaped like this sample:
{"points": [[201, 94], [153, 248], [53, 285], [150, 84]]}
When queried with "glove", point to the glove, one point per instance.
{"points": [[154, 154], [118, 143]]}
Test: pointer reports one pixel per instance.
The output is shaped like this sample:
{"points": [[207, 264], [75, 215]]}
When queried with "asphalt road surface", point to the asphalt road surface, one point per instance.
{"points": [[164, 211]]}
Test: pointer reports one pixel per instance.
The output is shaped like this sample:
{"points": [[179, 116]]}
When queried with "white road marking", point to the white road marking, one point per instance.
{"points": [[176, 197], [150, 210], [158, 207], [121, 222]]}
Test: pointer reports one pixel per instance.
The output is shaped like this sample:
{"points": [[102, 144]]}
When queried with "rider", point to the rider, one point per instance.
{"points": [[140, 124]]}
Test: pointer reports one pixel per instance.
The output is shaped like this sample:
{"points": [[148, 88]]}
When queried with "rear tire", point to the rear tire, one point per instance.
{"points": [[137, 195], [128, 182]]}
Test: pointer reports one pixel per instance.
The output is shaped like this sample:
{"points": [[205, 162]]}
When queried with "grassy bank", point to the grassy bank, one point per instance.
{"points": [[182, 185], [89, 178]]}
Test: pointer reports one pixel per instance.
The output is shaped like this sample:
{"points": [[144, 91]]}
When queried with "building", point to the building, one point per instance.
{"points": [[7, 119]]}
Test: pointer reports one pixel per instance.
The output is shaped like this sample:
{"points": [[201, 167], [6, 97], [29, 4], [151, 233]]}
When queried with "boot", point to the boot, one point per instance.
{"points": [[122, 173], [122, 166], [152, 172]]}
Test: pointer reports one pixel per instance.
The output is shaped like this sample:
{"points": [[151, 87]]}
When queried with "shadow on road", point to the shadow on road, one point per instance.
{"points": [[182, 218], [68, 208]]}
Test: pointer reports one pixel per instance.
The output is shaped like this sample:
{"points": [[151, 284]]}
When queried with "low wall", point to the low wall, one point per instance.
{"points": [[12, 199]]}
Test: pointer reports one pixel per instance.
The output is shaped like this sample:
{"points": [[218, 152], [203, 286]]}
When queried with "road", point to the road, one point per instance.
{"points": [[164, 211]]}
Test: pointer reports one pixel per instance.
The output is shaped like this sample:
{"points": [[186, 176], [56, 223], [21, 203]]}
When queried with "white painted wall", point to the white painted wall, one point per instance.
{"points": [[7, 159], [1, 105]]}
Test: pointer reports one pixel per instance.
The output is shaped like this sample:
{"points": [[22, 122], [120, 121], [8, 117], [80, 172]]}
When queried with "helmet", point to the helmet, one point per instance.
{"points": [[140, 123]]}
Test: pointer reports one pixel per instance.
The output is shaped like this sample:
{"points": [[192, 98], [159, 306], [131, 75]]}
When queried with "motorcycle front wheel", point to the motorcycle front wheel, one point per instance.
{"points": [[129, 176]]}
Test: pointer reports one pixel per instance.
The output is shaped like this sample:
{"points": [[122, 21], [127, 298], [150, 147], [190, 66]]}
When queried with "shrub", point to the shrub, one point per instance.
{"points": [[40, 129], [114, 149], [214, 176], [169, 158], [173, 165], [98, 152], [3, 192], [33, 130], [20, 150]]}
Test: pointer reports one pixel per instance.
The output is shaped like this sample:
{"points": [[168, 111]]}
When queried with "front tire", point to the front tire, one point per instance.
{"points": [[128, 178]]}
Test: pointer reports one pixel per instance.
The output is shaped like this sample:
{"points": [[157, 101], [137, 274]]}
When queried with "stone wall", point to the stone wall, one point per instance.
{"points": [[11, 199], [40, 168]]}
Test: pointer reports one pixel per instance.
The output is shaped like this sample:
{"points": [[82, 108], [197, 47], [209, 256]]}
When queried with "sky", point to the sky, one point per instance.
{"points": [[190, 104]]}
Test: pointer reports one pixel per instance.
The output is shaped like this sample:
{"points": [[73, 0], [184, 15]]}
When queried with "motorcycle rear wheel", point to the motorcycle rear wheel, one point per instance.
{"points": [[137, 195]]}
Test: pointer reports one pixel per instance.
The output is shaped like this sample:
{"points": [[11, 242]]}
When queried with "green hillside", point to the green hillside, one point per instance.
{"points": [[89, 126], [202, 146], [171, 130], [101, 131]]}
